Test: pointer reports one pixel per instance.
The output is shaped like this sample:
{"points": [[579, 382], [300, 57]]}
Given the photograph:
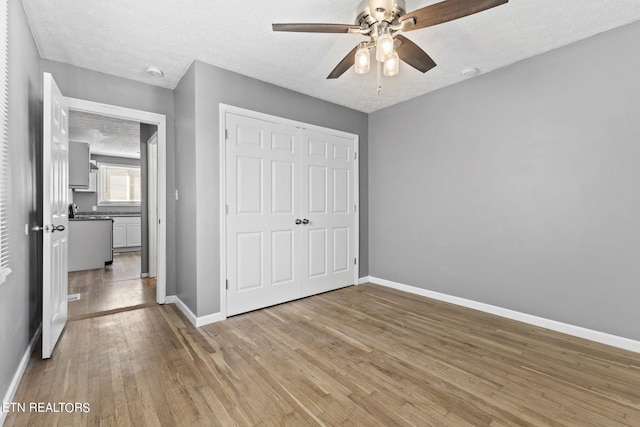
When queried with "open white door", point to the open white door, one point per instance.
{"points": [[55, 163]]}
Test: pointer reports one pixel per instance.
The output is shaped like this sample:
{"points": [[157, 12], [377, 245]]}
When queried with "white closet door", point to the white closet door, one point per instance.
{"points": [[328, 203], [262, 236]]}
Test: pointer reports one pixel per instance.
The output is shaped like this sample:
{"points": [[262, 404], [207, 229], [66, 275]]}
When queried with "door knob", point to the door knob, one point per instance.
{"points": [[305, 221], [298, 221], [39, 228], [55, 228]]}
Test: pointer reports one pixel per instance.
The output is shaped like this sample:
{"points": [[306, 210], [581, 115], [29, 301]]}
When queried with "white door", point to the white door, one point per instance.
{"points": [[291, 222], [55, 163], [328, 205], [262, 234]]}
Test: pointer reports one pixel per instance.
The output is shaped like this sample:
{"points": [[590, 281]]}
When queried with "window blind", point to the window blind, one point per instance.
{"points": [[4, 141]]}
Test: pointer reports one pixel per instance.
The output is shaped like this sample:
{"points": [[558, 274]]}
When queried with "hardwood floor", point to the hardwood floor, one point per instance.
{"points": [[363, 355], [114, 287]]}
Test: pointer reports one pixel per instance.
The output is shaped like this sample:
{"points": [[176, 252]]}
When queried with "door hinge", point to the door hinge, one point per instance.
{"points": [[355, 208], [226, 209], [355, 261], [226, 284], [355, 155], [226, 134]]}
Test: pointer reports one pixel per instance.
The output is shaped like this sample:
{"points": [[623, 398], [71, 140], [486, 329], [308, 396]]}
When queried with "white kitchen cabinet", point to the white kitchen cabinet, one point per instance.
{"points": [[79, 158], [119, 234], [134, 234], [126, 232]]}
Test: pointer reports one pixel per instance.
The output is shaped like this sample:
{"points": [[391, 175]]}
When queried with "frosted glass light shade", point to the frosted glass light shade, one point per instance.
{"points": [[392, 65], [384, 47], [363, 60]]}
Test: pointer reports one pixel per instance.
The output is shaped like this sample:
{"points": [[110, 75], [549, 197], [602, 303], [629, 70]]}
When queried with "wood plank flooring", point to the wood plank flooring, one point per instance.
{"points": [[113, 287], [363, 355]]}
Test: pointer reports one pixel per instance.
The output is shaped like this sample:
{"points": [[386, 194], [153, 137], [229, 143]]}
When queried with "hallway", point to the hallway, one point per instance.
{"points": [[112, 288]]}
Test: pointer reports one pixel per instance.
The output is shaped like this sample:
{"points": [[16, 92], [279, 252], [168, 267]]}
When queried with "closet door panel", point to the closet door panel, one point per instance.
{"points": [[328, 204], [261, 234]]}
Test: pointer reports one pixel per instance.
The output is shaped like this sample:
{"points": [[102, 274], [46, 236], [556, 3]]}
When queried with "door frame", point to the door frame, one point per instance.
{"points": [[224, 109], [160, 121], [152, 202]]}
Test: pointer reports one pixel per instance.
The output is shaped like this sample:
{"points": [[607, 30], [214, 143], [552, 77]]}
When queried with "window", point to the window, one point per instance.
{"points": [[118, 185], [4, 142]]}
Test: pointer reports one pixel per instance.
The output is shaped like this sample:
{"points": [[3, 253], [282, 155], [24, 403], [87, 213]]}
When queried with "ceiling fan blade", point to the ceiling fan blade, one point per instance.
{"points": [[413, 55], [344, 65], [448, 10], [317, 28]]}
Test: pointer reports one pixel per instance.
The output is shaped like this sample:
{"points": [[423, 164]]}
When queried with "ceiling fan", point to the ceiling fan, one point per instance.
{"points": [[383, 21]]}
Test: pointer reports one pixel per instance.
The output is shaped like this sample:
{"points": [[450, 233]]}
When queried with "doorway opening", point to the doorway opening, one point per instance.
{"points": [[111, 217], [136, 273]]}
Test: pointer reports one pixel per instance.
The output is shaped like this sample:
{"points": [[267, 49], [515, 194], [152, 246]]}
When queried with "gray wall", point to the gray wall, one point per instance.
{"points": [[208, 86], [519, 188], [21, 294], [185, 158], [93, 86]]}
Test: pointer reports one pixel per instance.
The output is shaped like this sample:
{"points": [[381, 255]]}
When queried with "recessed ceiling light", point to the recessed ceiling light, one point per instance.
{"points": [[155, 72], [470, 72]]}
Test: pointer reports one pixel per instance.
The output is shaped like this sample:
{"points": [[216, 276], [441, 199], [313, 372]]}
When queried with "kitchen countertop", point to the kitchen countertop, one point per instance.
{"points": [[105, 214]]}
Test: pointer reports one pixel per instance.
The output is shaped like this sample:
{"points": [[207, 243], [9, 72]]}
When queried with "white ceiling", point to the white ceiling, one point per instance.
{"points": [[123, 38], [107, 136]]}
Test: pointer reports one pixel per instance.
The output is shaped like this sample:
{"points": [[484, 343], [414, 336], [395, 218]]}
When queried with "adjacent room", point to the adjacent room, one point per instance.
{"points": [[108, 256], [378, 212]]}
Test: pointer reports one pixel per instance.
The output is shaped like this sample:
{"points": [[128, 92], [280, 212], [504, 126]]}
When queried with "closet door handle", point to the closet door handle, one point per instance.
{"points": [[305, 221], [298, 221]]}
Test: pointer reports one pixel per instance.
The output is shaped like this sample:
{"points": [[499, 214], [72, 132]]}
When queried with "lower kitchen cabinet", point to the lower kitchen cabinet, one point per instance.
{"points": [[89, 244], [126, 232]]}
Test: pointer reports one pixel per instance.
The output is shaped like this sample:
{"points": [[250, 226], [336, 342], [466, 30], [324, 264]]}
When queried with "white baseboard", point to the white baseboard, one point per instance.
{"points": [[17, 377], [577, 331], [365, 279], [144, 275], [196, 321]]}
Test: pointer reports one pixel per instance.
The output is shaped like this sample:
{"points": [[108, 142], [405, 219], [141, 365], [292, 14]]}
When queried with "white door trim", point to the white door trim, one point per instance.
{"points": [[224, 109], [152, 205], [159, 120]]}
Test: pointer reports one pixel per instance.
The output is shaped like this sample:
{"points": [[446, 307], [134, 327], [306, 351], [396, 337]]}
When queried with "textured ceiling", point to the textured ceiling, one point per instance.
{"points": [[123, 38], [106, 135]]}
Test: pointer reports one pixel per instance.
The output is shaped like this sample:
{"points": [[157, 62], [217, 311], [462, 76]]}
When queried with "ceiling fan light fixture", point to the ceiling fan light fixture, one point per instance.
{"points": [[382, 21], [384, 46], [392, 65], [363, 59]]}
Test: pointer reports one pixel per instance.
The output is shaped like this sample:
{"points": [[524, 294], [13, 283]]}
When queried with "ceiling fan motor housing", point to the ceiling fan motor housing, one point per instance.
{"points": [[372, 11]]}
